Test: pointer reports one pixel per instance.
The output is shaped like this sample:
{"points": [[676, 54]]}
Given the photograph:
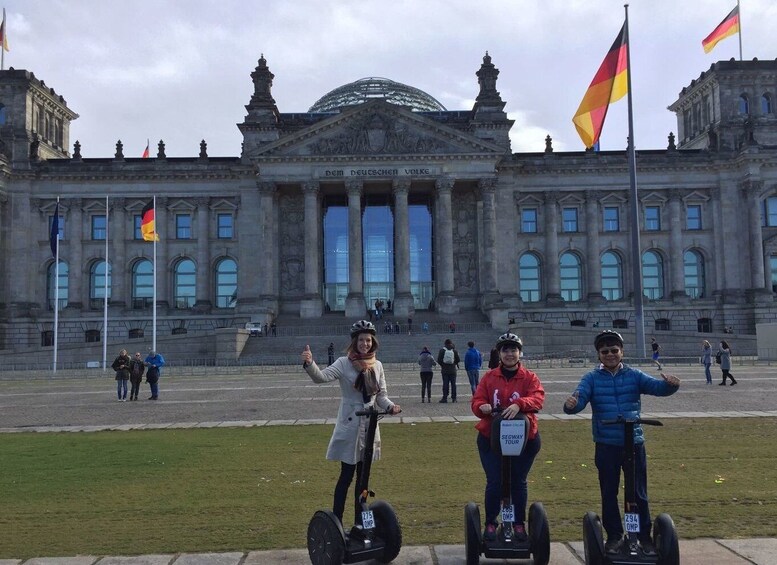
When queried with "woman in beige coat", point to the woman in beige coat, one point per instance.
{"points": [[362, 384]]}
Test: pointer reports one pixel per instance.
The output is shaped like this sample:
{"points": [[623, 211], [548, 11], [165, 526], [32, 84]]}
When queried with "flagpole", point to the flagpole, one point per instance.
{"points": [[636, 254], [740, 30], [56, 286], [105, 290], [153, 317], [2, 47]]}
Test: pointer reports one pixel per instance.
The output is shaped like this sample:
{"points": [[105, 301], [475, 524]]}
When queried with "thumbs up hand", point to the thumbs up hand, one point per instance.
{"points": [[571, 402], [671, 380], [307, 356]]}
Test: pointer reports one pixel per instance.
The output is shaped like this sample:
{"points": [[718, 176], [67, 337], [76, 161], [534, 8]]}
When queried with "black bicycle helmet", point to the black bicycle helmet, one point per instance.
{"points": [[361, 327], [608, 335], [508, 339]]}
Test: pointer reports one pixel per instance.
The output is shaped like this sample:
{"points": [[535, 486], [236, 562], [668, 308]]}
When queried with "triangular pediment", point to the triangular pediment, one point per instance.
{"points": [[376, 128]]}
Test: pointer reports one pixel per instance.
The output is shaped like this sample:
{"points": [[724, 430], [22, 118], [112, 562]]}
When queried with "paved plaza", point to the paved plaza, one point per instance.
{"points": [[286, 396]]}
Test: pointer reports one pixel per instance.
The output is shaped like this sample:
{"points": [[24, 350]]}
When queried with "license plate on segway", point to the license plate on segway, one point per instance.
{"points": [[368, 520], [631, 521], [508, 514]]}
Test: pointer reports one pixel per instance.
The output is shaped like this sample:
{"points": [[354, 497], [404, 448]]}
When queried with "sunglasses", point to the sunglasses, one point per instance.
{"points": [[612, 350]]}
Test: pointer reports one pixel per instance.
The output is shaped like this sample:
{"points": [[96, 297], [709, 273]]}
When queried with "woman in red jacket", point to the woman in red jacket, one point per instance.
{"points": [[514, 389]]}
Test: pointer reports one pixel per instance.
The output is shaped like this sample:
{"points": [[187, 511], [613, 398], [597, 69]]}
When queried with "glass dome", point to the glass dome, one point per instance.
{"points": [[373, 87]]}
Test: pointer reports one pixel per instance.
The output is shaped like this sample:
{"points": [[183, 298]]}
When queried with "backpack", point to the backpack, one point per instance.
{"points": [[717, 358], [448, 357]]}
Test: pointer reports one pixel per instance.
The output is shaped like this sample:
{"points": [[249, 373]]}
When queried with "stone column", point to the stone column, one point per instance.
{"points": [[759, 288], [203, 300], [249, 243], [166, 233], [117, 231], [489, 291], [446, 302], [355, 306], [403, 299], [593, 263], [266, 256], [23, 282], [676, 259], [719, 282], [552, 269], [311, 305], [75, 233]]}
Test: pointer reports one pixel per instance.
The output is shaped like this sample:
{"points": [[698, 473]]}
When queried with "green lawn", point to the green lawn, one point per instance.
{"points": [[124, 493]]}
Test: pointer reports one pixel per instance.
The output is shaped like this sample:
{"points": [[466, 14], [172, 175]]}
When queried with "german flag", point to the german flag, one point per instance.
{"points": [[148, 224], [610, 84], [729, 26]]}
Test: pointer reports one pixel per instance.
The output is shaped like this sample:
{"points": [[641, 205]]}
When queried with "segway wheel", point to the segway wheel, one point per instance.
{"points": [[473, 537], [326, 539], [388, 529], [539, 534], [593, 543], [665, 538]]}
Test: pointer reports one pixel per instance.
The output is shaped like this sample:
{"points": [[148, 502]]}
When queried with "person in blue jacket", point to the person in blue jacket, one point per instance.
{"points": [[473, 360], [614, 390], [154, 361]]}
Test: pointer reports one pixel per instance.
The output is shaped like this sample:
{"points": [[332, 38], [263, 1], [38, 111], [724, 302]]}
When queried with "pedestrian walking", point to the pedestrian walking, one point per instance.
{"points": [[330, 351], [473, 360], [706, 359], [656, 352], [725, 363]]}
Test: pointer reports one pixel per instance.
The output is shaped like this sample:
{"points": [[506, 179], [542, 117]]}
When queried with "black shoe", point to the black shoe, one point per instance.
{"points": [[422, 400], [647, 546], [453, 400], [613, 546], [443, 401], [733, 383], [722, 384]]}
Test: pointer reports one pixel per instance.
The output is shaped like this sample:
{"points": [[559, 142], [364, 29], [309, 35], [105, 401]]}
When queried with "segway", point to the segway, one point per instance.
{"points": [[377, 535], [508, 438], [631, 553]]}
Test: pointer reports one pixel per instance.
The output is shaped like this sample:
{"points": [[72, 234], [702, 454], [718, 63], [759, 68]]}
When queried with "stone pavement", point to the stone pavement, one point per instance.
{"points": [[762, 551], [288, 398]]}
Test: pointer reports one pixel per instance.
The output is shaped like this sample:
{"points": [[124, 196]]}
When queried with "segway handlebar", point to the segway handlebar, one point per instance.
{"points": [[623, 421], [372, 410]]}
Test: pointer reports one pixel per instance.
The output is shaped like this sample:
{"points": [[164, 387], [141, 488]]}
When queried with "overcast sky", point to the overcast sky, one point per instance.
{"points": [[179, 70]]}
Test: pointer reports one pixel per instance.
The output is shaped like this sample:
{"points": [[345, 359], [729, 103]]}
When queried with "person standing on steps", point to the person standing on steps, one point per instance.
{"points": [[725, 363], [448, 359]]}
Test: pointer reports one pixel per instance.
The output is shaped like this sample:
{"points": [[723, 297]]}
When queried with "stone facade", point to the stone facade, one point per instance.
{"points": [[708, 216]]}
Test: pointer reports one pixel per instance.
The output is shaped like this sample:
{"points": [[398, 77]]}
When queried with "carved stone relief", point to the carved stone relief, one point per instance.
{"points": [[291, 231], [465, 264]]}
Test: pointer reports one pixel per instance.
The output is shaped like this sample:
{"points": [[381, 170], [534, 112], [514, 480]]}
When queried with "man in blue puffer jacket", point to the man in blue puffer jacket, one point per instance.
{"points": [[613, 391]]}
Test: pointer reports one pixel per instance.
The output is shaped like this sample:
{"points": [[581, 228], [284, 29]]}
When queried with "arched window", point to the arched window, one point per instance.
{"points": [[571, 273], [61, 299], [529, 277], [142, 284], [226, 283], [612, 276], [97, 283], [766, 103], [652, 275], [185, 284], [693, 269], [744, 105]]}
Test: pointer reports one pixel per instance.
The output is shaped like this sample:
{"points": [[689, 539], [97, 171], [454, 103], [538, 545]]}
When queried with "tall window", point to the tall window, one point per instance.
{"points": [[97, 282], [569, 219], [611, 218], [336, 275], [185, 283], [136, 221], [61, 298], [652, 275], [226, 283], [183, 226], [769, 212], [773, 271], [744, 105], [142, 284], [612, 276], [693, 217], [225, 228], [529, 220], [421, 278], [61, 226], [766, 103], [652, 218], [529, 277], [98, 226], [378, 249], [571, 274], [693, 269]]}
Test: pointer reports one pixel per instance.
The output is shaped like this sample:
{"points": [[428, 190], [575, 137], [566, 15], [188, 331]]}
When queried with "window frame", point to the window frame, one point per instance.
{"points": [[571, 225], [653, 224], [608, 222], [183, 231], [689, 220], [99, 233], [527, 223]]}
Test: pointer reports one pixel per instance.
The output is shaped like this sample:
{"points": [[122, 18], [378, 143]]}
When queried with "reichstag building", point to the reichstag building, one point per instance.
{"points": [[378, 192]]}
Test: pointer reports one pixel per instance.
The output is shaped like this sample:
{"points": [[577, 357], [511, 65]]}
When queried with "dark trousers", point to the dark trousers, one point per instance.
{"points": [[727, 374], [609, 462], [341, 491], [426, 384], [519, 470], [449, 384], [135, 389]]}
